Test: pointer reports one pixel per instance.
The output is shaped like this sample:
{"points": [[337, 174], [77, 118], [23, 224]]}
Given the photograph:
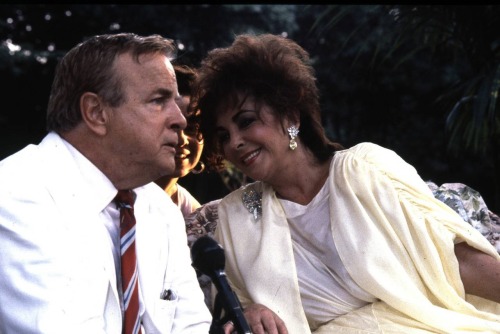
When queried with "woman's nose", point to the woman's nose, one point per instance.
{"points": [[237, 141], [183, 139]]}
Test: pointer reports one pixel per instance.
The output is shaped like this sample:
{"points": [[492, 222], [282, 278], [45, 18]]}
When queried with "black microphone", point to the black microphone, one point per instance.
{"points": [[208, 257]]}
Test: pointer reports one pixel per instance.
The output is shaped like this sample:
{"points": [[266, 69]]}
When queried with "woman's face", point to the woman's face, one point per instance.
{"points": [[189, 149], [252, 138]]}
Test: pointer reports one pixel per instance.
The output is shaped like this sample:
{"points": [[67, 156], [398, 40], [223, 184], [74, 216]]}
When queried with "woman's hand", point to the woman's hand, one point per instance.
{"points": [[261, 321]]}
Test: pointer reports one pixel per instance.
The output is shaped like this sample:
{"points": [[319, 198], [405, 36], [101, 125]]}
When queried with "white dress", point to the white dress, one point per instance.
{"points": [[185, 201], [320, 271]]}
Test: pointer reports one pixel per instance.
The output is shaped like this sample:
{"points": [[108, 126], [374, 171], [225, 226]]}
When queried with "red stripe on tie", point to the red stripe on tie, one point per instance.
{"points": [[131, 322]]}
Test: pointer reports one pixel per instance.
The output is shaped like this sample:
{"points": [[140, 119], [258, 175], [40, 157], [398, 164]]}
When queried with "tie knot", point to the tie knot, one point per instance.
{"points": [[125, 199]]}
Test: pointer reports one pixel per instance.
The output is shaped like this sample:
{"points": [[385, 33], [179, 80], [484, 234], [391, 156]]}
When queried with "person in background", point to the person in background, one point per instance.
{"points": [[330, 239], [189, 148], [113, 124]]}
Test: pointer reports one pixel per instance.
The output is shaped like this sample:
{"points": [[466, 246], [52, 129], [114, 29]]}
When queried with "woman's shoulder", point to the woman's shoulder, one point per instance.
{"points": [[366, 150], [257, 186], [371, 153], [372, 156], [248, 198]]}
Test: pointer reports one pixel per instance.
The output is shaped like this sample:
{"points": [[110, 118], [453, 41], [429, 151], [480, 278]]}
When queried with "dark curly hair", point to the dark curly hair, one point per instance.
{"points": [[186, 76], [273, 69]]}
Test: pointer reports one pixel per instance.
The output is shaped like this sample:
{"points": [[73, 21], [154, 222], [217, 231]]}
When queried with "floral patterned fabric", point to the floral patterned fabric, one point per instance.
{"points": [[469, 204], [203, 221]]}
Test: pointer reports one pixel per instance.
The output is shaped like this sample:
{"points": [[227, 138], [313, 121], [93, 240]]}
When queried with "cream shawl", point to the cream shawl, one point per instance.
{"points": [[395, 240]]}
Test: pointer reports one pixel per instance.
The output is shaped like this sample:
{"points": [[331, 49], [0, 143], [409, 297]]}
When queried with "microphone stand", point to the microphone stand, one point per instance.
{"points": [[217, 320], [235, 314]]}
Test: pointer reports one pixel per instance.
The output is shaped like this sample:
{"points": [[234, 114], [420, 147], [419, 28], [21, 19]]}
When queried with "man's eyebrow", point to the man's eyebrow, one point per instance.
{"points": [[165, 92]]}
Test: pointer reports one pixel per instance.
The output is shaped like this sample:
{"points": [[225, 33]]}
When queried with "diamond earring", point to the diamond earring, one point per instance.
{"points": [[293, 131]]}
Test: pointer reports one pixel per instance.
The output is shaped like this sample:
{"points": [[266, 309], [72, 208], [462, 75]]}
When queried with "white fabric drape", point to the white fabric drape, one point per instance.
{"points": [[394, 238]]}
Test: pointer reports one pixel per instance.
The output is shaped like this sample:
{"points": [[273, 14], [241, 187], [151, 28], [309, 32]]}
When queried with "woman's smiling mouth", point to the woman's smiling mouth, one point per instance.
{"points": [[249, 158]]}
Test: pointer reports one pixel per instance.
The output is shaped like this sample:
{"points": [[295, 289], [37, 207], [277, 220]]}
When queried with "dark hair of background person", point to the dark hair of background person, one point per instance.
{"points": [[186, 76], [276, 71], [96, 74]]}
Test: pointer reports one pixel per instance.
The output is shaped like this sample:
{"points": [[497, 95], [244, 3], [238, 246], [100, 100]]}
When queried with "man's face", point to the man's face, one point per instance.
{"points": [[143, 130]]}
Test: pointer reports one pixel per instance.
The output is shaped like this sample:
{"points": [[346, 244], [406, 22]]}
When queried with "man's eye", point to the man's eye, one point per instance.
{"points": [[159, 100]]}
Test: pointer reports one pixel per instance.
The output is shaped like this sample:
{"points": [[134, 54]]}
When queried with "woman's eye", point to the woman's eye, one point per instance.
{"points": [[192, 129], [245, 122], [222, 137]]}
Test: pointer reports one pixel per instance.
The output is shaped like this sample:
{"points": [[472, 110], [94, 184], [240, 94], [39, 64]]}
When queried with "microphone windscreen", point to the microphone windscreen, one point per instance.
{"points": [[207, 256]]}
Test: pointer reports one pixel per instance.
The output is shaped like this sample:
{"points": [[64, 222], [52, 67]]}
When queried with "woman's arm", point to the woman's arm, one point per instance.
{"points": [[479, 271]]}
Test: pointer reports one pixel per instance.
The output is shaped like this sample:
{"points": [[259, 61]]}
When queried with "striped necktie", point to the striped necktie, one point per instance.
{"points": [[125, 203]]}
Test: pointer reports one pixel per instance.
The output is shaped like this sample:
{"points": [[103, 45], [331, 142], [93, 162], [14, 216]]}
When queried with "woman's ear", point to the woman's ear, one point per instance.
{"points": [[94, 113], [292, 122]]}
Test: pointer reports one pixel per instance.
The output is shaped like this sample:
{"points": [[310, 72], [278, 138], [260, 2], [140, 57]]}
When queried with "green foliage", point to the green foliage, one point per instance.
{"points": [[470, 35], [396, 75], [456, 48]]}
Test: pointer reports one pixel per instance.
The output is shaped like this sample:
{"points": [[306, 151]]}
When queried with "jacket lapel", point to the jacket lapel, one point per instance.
{"points": [[151, 246], [268, 250]]}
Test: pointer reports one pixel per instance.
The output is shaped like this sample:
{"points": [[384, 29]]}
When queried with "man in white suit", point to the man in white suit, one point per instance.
{"points": [[113, 125]]}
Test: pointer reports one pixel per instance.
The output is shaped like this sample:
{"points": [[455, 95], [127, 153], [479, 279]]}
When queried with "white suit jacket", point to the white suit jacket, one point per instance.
{"points": [[57, 271]]}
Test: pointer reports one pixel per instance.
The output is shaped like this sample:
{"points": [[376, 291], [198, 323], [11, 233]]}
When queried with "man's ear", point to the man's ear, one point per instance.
{"points": [[94, 113]]}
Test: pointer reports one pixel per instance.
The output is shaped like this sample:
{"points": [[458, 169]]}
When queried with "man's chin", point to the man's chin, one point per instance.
{"points": [[171, 171], [168, 169]]}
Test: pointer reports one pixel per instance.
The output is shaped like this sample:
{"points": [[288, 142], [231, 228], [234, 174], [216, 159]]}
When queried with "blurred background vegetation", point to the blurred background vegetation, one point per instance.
{"points": [[422, 80]]}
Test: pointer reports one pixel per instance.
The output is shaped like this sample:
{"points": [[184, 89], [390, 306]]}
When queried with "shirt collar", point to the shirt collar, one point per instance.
{"points": [[101, 190]]}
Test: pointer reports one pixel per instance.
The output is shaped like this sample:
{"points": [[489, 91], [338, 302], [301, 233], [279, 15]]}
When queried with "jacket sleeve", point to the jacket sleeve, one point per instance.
{"points": [[404, 238]]}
